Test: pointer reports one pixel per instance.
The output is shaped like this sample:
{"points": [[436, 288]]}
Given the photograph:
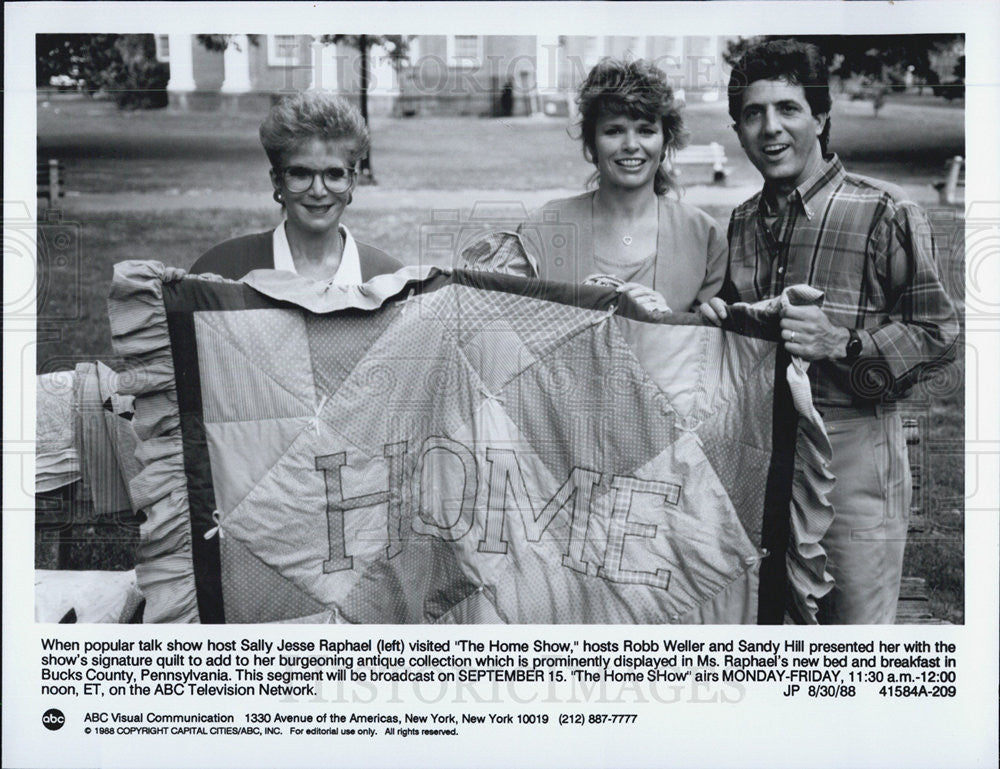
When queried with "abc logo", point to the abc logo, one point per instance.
{"points": [[53, 719]]}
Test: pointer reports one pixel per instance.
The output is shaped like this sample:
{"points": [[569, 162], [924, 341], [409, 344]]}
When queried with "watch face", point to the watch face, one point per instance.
{"points": [[853, 345]]}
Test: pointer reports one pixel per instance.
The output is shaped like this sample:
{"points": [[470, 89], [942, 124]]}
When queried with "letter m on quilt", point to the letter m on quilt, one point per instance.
{"points": [[455, 447]]}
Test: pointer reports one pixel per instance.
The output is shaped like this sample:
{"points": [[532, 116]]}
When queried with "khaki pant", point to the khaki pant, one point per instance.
{"points": [[871, 502]]}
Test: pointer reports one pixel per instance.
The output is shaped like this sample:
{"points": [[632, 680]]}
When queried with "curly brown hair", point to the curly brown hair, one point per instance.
{"points": [[638, 89], [785, 59]]}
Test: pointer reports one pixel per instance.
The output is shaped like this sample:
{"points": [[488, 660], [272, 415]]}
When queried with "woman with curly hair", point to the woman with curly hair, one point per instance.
{"points": [[667, 255], [314, 141]]}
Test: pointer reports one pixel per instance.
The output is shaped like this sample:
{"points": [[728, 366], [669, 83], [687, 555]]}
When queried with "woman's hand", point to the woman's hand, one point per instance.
{"points": [[714, 311], [170, 274], [648, 299]]}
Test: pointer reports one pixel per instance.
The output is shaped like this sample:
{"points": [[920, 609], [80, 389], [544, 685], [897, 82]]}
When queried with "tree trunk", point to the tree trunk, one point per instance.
{"points": [[367, 177]]}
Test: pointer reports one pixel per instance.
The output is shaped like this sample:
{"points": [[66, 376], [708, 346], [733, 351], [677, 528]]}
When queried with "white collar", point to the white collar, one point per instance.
{"points": [[349, 271]]}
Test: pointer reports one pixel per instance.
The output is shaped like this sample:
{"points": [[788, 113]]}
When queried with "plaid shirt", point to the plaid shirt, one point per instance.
{"points": [[871, 252]]}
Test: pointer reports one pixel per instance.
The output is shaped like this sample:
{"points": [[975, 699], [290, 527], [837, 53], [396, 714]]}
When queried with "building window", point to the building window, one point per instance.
{"points": [[465, 50], [282, 50], [162, 48]]}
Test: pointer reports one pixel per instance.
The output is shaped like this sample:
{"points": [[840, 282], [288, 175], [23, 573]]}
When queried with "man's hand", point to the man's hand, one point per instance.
{"points": [[809, 334], [714, 311], [651, 301]]}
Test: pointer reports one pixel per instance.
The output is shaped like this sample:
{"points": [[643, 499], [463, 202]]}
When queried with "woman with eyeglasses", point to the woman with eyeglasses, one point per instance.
{"points": [[314, 141]]}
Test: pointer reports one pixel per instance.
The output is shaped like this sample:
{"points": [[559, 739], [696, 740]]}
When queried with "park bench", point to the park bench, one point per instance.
{"points": [[50, 178], [954, 182], [713, 155]]}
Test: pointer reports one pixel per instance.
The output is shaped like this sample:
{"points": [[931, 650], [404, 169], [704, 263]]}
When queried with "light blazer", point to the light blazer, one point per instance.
{"points": [[688, 267]]}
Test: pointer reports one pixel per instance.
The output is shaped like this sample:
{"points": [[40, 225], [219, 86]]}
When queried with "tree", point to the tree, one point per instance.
{"points": [[217, 43], [953, 89], [82, 58], [139, 80], [882, 59], [122, 66], [398, 47], [220, 43]]}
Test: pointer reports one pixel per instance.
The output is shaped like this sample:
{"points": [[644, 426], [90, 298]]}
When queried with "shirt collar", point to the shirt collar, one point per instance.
{"points": [[282, 251], [811, 192], [349, 271]]}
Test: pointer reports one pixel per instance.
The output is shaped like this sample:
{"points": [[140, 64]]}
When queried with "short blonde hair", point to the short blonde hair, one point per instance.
{"points": [[312, 115]]}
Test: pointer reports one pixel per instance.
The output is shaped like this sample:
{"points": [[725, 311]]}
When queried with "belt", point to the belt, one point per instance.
{"points": [[835, 413]]}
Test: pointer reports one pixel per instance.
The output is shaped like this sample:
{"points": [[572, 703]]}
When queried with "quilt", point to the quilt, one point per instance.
{"points": [[462, 447]]}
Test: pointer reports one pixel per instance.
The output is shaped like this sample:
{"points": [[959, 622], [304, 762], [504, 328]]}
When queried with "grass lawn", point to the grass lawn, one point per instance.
{"points": [[106, 150]]}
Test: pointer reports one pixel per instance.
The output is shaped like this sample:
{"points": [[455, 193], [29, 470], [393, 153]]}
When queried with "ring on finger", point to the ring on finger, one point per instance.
{"points": [[791, 336]]}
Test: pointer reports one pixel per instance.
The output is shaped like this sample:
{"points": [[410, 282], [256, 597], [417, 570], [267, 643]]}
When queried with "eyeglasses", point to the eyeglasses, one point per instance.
{"points": [[300, 178]]}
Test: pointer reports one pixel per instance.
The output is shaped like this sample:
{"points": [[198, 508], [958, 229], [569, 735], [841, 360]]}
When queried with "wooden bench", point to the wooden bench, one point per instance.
{"points": [[713, 155], [953, 183], [50, 178]]}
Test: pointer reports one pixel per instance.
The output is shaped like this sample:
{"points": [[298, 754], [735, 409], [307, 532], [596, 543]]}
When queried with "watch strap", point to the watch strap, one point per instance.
{"points": [[854, 345]]}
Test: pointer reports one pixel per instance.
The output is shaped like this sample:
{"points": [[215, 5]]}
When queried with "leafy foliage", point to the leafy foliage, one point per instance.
{"points": [[82, 58], [137, 80], [883, 58], [219, 43], [122, 66], [954, 89], [398, 46]]}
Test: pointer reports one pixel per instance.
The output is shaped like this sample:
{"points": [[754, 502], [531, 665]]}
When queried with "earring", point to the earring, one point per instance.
{"points": [[278, 197]]}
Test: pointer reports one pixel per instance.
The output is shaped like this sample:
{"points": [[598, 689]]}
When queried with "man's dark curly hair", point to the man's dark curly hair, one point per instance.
{"points": [[787, 59], [639, 90]]}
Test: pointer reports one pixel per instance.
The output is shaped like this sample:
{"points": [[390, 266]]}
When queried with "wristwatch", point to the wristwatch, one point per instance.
{"points": [[853, 345]]}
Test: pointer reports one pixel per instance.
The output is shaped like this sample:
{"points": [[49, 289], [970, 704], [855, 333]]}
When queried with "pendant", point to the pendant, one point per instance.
{"points": [[627, 240]]}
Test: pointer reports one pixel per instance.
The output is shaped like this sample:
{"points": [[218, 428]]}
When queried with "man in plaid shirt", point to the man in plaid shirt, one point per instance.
{"points": [[885, 314]]}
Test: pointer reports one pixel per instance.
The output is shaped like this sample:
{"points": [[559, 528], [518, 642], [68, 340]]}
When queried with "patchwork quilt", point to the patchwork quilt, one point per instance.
{"points": [[464, 447]]}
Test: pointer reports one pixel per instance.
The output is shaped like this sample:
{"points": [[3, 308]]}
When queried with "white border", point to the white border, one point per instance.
{"points": [[763, 732]]}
